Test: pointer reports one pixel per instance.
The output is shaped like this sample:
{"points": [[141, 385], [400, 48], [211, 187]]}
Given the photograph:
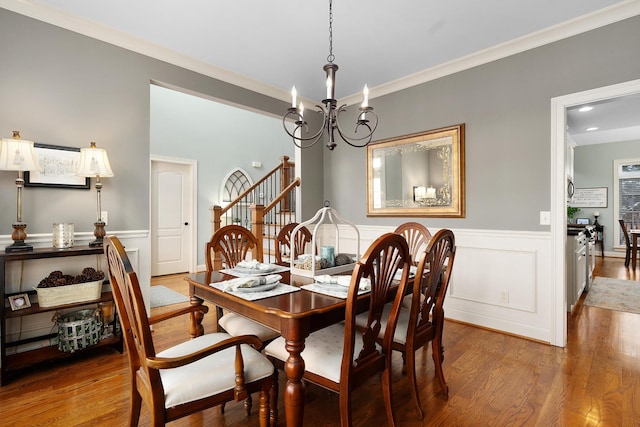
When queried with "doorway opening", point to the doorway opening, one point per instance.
{"points": [[559, 106]]}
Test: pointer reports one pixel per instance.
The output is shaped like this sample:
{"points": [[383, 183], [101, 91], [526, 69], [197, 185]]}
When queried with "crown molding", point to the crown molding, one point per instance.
{"points": [[109, 35], [548, 35], [53, 16]]}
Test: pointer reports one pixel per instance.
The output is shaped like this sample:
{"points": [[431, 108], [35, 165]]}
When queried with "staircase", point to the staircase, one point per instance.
{"points": [[264, 207]]}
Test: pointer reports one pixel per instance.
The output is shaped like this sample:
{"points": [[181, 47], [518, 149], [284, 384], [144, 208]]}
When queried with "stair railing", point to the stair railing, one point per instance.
{"points": [[277, 189]]}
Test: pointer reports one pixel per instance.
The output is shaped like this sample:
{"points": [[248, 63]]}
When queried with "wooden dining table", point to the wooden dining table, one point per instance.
{"points": [[634, 246], [295, 315]]}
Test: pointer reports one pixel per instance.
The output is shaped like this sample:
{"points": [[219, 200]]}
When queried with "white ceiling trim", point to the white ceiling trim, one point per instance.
{"points": [[558, 32], [88, 28]]}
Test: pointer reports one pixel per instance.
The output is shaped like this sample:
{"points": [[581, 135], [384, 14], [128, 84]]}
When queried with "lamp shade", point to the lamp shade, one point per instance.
{"points": [[94, 162], [18, 154]]}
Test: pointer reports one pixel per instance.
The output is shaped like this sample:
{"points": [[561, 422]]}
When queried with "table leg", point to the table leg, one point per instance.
{"points": [[294, 391], [634, 250], [196, 329]]}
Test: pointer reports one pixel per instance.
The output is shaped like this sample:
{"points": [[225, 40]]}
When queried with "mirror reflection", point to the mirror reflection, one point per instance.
{"points": [[419, 174]]}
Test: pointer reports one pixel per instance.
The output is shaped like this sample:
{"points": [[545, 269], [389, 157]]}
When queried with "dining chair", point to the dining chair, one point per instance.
{"points": [[283, 242], [340, 357], [423, 321], [192, 376], [627, 242], [417, 236], [232, 244]]}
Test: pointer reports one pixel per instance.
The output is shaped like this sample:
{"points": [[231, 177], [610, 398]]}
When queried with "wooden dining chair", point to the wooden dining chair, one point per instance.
{"points": [[423, 321], [627, 243], [232, 243], [197, 374], [283, 242], [417, 236], [340, 357]]}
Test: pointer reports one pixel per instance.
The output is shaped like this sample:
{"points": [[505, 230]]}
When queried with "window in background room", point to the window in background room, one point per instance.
{"points": [[626, 195]]}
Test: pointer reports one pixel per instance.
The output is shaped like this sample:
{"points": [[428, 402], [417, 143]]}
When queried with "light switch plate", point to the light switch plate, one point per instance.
{"points": [[545, 218]]}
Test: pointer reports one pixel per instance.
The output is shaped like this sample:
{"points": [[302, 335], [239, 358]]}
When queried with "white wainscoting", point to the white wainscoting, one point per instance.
{"points": [[501, 279]]}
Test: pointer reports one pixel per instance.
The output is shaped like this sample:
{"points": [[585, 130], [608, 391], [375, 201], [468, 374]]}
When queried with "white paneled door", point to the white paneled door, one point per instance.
{"points": [[171, 217]]}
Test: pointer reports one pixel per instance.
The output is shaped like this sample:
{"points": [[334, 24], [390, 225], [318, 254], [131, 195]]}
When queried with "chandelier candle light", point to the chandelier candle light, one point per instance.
{"points": [[329, 111], [18, 155], [94, 163]]}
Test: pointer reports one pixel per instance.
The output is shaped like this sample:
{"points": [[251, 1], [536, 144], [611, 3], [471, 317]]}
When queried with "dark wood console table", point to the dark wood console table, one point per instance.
{"points": [[12, 363]]}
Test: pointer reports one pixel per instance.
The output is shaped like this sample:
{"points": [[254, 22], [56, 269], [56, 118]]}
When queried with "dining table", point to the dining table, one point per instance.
{"points": [[634, 246], [294, 315]]}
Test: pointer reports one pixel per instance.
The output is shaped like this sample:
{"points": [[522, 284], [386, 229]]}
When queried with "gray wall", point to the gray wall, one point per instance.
{"points": [[593, 167], [68, 89], [506, 108]]}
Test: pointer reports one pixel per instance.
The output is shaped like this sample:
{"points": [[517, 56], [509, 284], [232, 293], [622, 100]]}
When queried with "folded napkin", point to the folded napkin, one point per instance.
{"points": [[412, 272], [254, 265], [365, 283], [250, 282]]}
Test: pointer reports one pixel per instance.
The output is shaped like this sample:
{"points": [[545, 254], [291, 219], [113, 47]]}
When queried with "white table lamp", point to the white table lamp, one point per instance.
{"points": [[94, 163], [18, 155]]}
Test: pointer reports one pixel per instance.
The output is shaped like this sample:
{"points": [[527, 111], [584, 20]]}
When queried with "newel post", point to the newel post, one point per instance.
{"points": [[216, 218], [257, 226], [285, 179]]}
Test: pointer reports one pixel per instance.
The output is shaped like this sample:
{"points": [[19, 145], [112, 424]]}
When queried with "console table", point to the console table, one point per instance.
{"points": [[12, 363]]}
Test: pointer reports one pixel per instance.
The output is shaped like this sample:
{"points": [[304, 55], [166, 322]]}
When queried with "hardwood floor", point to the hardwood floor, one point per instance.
{"points": [[494, 380]]}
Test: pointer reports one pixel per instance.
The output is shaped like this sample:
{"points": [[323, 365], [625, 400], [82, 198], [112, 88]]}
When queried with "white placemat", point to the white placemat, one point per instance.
{"points": [[282, 288], [236, 273], [333, 290]]}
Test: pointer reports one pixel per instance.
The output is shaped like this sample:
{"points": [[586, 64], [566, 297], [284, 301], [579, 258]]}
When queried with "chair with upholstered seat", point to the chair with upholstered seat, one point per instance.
{"points": [[232, 244], [417, 236], [284, 248], [423, 321], [341, 358], [192, 376], [627, 242]]}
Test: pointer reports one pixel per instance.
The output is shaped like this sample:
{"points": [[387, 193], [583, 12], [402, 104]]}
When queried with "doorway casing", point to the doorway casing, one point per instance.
{"points": [[559, 106]]}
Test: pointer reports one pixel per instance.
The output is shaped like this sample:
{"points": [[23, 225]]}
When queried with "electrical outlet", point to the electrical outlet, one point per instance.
{"points": [[545, 218], [504, 296], [105, 217]]}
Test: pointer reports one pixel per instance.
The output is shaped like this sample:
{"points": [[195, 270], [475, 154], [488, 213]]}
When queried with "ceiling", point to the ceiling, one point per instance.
{"points": [[269, 46]]}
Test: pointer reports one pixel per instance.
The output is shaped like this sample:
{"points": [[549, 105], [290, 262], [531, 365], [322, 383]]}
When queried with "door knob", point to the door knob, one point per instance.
{"points": [[186, 223]]}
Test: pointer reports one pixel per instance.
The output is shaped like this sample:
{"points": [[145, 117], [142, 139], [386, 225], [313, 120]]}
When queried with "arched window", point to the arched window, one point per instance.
{"points": [[235, 183]]}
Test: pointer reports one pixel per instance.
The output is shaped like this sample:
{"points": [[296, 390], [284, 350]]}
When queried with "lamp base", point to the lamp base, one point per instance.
{"points": [[99, 233], [18, 246], [18, 237]]}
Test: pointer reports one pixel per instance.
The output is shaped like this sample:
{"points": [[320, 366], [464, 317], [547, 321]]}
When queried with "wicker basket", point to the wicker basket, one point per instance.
{"points": [[79, 330], [69, 294]]}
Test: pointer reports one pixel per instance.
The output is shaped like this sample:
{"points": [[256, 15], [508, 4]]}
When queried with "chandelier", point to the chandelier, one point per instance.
{"points": [[329, 111]]}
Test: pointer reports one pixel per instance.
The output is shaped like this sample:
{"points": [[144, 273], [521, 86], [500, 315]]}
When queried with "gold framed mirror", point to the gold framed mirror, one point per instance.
{"points": [[421, 174]]}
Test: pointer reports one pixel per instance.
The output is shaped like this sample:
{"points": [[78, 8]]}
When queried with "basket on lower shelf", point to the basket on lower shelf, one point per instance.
{"points": [[79, 330], [69, 294]]}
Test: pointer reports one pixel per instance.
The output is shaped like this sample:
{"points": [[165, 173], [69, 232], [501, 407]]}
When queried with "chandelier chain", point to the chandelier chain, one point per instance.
{"points": [[331, 56]]}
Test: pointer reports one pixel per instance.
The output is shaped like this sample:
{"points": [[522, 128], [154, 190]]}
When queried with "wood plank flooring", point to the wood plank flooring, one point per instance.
{"points": [[494, 380]]}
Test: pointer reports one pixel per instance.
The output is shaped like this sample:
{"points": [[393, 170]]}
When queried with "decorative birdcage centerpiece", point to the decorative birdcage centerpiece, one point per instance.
{"points": [[325, 257]]}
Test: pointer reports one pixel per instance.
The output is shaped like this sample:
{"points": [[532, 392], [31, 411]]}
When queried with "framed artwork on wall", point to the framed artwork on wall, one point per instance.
{"points": [[59, 165]]}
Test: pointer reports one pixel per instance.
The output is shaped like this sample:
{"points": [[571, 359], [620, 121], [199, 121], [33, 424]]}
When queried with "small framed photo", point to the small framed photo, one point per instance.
{"points": [[20, 301], [582, 221]]}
